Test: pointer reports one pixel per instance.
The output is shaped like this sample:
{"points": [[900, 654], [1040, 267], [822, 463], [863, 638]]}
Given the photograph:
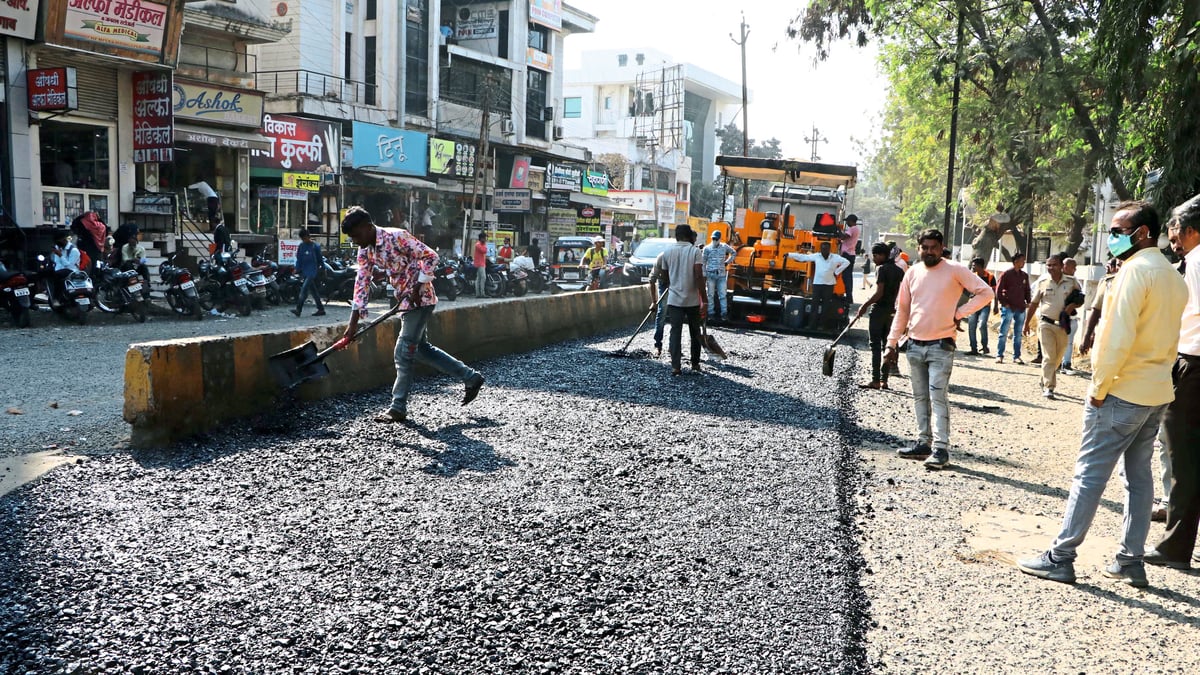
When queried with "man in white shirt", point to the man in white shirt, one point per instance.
{"points": [[211, 198], [1182, 417], [687, 297], [827, 267]]}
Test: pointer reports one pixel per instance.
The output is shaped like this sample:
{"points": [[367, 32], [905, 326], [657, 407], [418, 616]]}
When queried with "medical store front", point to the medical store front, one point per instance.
{"points": [[200, 162], [77, 172]]}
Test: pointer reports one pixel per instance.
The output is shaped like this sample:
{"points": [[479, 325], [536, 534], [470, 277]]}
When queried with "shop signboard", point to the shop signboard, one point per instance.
{"points": [[595, 183], [563, 177], [512, 201], [559, 199], [546, 12], [539, 59], [215, 104], [287, 251], [297, 144], [587, 220], [153, 131], [52, 89], [451, 158], [18, 18], [520, 173], [560, 222], [309, 182], [390, 150], [479, 24], [286, 194], [537, 179], [143, 30]]}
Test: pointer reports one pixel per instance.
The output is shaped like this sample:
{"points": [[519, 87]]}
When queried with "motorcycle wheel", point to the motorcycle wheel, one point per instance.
{"points": [[196, 310], [451, 290], [274, 297], [22, 318], [494, 286], [289, 293], [244, 306], [138, 309], [346, 290], [519, 288], [206, 297], [76, 313]]}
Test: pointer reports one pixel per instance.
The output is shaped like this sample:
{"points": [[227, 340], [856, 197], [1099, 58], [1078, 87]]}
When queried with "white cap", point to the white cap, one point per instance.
{"points": [[598, 240]]}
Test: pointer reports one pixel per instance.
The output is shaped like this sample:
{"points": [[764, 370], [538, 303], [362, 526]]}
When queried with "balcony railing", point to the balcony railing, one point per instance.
{"points": [[218, 62], [317, 85]]}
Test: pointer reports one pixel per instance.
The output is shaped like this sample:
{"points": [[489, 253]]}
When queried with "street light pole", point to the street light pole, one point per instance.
{"points": [[745, 109], [958, 48]]}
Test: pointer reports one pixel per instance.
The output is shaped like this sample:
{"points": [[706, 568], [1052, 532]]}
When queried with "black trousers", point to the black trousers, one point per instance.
{"points": [[1182, 443], [878, 327], [676, 316], [848, 278], [822, 298], [214, 208]]}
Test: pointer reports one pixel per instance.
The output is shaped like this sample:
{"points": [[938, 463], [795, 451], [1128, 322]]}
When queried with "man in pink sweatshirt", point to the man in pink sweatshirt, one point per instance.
{"points": [[927, 312]]}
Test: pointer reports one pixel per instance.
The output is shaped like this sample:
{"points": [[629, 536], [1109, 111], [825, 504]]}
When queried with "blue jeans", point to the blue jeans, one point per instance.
{"points": [[929, 370], [413, 345], [979, 320], [660, 318], [717, 283], [309, 288], [1017, 320], [1118, 429]]}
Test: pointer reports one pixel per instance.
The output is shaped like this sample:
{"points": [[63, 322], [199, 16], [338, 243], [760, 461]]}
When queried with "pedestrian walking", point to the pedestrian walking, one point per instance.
{"points": [[687, 298], [849, 249], [1069, 267], [308, 264], [1131, 386], [978, 323], [716, 274], [928, 313], [883, 310], [827, 267], [1012, 295], [1055, 297], [479, 256], [1182, 417], [409, 265]]}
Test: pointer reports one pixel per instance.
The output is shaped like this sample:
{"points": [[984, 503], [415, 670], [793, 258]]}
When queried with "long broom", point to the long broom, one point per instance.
{"points": [[621, 352]]}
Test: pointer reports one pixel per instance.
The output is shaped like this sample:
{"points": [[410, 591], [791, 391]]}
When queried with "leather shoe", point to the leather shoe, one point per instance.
{"points": [[1158, 515], [472, 390], [295, 312], [391, 416], [1153, 557], [319, 312]]}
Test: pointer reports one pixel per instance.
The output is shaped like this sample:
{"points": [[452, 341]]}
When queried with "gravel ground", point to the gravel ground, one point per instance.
{"points": [[586, 514], [946, 595], [68, 381]]}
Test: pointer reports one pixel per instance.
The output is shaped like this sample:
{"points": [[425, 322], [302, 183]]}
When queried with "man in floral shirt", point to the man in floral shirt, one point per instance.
{"points": [[409, 265]]}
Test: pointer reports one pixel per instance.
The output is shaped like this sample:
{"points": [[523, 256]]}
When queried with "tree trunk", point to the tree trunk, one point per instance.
{"points": [[1083, 203]]}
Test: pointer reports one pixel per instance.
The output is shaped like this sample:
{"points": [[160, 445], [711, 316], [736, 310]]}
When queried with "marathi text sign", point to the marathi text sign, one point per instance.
{"points": [[19, 18], [51, 89], [451, 158], [587, 220], [135, 26], [390, 150], [309, 182], [153, 131], [286, 194], [595, 183], [546, 12], [297, 144], [512, 201], [214, 104], [287, 251], [563, 177]]}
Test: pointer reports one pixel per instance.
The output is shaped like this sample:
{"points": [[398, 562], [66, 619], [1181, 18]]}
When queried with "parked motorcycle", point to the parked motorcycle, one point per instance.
{"points": [[445, 281], [289, 283], [518, 281], [181, 289], [258, 284], [269, 269], [496, 281], [16, 289], [72, 294], [120, 291], [222, 285], [335, 280]]}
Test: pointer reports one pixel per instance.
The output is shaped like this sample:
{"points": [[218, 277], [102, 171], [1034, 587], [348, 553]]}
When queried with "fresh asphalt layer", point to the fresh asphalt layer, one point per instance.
{"points": [[585, 514]]}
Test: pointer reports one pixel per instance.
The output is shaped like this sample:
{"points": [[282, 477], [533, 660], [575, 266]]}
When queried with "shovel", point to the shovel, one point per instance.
{"points": [[827, 360], [710, 342], [301, 364], [621, 352]]}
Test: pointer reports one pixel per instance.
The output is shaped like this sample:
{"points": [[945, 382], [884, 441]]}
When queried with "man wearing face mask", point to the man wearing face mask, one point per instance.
{"points": [[927, 312], [1135, 349]]}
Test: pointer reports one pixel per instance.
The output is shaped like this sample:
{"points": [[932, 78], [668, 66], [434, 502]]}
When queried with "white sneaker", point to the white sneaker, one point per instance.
{"points": [[1048, 393]]}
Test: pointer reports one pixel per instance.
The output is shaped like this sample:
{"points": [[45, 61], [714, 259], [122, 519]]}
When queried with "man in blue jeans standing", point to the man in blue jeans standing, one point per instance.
{"points": [[716, 274], [308, 263], [1012, 294], [409, 265], [1131, 386]]}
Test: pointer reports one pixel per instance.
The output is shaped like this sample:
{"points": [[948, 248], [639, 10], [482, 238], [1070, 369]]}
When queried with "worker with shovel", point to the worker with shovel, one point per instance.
{"points": [[409, 265]]}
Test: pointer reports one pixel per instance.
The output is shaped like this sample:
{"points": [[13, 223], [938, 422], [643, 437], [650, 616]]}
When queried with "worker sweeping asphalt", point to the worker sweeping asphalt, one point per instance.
{"points": [[409, 265]]}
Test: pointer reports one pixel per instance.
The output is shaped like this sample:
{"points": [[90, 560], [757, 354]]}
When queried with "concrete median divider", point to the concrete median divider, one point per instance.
{"points": [[178, 388]]}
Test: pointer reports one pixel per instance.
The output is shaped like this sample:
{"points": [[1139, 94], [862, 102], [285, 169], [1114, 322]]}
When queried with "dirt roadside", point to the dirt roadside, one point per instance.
{"points": [[940, 546]]}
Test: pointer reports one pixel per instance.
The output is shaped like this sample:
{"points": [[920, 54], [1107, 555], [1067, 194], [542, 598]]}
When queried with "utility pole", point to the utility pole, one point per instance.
{"points": [[816, 138], [481, 157], [953, 127], [745, 109]]}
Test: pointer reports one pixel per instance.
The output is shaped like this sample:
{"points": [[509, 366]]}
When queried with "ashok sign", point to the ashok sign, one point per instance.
{"points": [[51, 89], [137, 29], [153, 128], [297, 144], [214, 104], [390, 150], [19, 18]]}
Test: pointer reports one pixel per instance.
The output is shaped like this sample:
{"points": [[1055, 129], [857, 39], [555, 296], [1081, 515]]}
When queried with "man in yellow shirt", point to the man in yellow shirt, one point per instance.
{"points": [[1131, 387]]}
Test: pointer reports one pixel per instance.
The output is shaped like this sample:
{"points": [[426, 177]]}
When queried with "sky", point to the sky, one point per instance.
{"points": [[843, 96]]}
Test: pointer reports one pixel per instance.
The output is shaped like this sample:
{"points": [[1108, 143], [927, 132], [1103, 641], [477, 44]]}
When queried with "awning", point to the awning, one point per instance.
{"points": [[788, 171], [594, 201], [395, 179], [222, 138]]}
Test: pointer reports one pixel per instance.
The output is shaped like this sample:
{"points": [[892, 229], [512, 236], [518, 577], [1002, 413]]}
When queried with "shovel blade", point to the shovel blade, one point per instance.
{"points": [[827, 363], [297, 365], [710, 343]]}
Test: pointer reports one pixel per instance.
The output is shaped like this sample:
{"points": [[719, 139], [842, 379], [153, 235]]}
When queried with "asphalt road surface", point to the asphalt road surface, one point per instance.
{"points": [[586, 514]]}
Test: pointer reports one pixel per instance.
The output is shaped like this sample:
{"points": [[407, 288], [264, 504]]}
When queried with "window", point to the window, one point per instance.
{"points": [[348, 57], [573, 107], [641, 58], [466, 83], [416, 80], [622, 60], [502, 52], [608, 103], [74, 156], [535, 104], [539, 38], [370, 10], [369, 69]]}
